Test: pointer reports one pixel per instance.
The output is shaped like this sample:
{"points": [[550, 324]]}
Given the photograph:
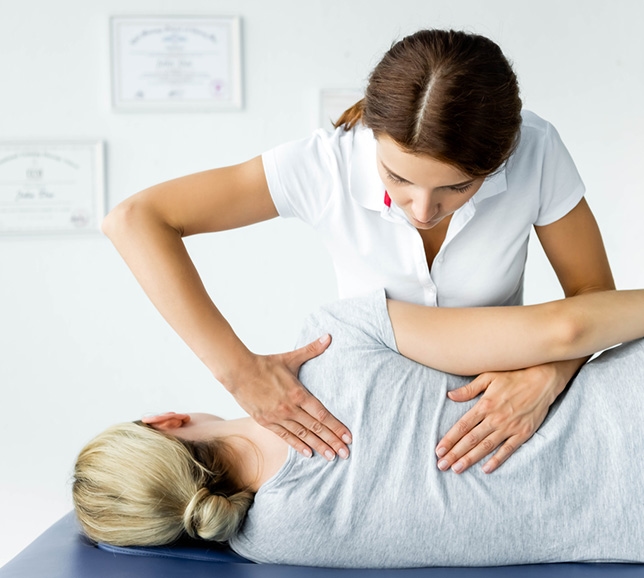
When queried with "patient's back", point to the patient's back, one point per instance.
{"points": [[574, 492]]}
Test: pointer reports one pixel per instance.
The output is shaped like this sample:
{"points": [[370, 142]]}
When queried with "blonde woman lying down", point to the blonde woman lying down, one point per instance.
{"points": [[574, 492]]}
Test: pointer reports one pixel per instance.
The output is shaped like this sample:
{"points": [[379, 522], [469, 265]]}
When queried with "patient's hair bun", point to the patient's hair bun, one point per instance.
{"points": [[214, 517]]}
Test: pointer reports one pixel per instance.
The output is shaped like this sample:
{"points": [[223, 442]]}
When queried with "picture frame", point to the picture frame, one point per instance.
{"points": [[51, 187], [176, 63]]}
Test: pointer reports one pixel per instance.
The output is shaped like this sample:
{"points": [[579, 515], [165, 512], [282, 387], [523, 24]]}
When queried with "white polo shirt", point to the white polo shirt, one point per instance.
{"points": [[331, 182]]}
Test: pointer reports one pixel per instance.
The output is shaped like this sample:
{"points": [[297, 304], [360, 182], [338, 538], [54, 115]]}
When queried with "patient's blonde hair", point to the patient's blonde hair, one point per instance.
{"points": [[135, 486]]}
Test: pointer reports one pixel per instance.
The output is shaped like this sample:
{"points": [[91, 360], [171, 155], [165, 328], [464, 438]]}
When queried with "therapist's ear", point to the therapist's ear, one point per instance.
{"points": [[167, 421]]}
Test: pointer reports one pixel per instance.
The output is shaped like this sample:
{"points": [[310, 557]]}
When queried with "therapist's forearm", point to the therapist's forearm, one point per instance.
{"points": [[156, 254], [476, 340]]}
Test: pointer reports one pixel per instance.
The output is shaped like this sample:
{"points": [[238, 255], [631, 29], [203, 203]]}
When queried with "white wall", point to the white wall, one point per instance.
{"points": [[80, 346]]}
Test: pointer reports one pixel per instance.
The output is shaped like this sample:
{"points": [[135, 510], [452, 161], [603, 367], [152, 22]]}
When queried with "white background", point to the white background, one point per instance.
{"points": [[80, 346]]}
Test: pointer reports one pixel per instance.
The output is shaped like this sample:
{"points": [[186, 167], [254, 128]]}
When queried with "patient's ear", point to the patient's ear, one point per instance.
{"points": [[167, 421]]}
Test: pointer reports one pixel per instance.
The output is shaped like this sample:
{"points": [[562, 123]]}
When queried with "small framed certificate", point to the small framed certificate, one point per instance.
{"points": [[51, 187], [176, 63]]}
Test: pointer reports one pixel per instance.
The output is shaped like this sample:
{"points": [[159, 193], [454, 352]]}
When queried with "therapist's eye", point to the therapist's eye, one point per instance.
{"points": [[462, 189], [396, 179]]}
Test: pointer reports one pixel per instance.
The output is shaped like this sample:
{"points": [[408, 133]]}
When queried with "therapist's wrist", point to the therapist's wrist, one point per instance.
{"points": [[563, 372], [230, 364]]}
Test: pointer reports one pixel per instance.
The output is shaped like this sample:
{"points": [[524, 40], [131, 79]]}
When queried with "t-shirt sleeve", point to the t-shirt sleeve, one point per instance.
{"points": [[359, 319], [301, 176], [561, 185]]}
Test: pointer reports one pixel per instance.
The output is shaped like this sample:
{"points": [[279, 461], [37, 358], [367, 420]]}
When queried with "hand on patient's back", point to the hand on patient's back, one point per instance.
{"points": [[273, 396], [512, 407]]}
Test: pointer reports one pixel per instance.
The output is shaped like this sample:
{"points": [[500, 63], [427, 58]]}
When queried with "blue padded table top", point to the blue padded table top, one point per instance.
{"points": [[62, 552]]}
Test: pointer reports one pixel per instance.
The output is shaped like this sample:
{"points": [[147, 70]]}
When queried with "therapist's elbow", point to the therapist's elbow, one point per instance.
{"points": [[112, 222], [569, 329], [119, 218], [127, 217]]}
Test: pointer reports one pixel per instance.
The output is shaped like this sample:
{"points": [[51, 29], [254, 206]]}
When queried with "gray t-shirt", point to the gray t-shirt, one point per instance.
{"points": [[573, 492]]}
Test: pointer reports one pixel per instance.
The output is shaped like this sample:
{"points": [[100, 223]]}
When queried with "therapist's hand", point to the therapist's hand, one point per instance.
{"points": [[271, 393], [511, 409]]}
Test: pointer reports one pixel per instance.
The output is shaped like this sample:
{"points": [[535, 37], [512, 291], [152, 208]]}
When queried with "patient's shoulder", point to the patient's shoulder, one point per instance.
{"points": [[362, 319]]}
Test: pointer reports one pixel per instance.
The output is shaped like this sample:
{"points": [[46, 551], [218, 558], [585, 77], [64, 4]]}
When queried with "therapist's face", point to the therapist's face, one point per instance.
{"points": [[427, 190]]}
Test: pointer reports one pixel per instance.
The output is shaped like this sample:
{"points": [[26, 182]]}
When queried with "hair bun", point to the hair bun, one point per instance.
{"points": [[213, 517], [191, 515]]}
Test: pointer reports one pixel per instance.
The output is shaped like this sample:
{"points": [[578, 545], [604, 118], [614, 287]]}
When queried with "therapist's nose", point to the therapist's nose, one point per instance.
{"points": [[422, 208]]}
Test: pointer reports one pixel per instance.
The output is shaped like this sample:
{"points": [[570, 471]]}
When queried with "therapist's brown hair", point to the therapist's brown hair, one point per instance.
{"points": [[448, 94]]}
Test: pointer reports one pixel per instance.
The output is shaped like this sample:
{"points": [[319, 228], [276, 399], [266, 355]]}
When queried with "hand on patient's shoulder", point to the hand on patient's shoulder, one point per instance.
{"points": [[269, 390]]}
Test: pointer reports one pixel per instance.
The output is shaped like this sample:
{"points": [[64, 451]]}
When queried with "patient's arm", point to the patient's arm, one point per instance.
{"points": [[474, 340]]}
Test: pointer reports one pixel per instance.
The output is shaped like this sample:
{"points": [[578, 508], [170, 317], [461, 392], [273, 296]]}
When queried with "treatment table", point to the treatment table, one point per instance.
{"points": [[63, 552]]}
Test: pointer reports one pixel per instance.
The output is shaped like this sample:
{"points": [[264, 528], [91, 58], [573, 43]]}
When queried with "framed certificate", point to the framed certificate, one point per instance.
{"points": [[176, 63], [51, 187]]}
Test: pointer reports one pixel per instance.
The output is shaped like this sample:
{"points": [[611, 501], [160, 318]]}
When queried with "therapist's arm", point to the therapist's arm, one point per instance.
{"points": [[470, 341], [575, 249], [148, 230], [515, 403]]}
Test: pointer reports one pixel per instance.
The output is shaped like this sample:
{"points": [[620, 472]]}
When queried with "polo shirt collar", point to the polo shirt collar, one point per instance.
{"points": [[492, 185], [364, 181]]}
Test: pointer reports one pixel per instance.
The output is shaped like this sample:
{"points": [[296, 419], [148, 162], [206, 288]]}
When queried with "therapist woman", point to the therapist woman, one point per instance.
{"points": [[429, 187]]}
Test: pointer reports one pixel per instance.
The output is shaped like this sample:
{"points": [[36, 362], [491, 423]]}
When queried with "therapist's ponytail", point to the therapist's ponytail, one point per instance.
{"points": [[351, 117], [450, 95], [135, 486]]}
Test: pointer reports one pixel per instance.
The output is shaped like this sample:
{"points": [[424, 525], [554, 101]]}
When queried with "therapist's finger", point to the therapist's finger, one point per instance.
{"points": [[302, 421], [291, 439], [471, 419], [298, 357], [303, 437], [472, 389], [311, 440], [473, 446], [504, 452], [322, 425], [481, 442], [459, 430], [488, 445], [477, 444]]}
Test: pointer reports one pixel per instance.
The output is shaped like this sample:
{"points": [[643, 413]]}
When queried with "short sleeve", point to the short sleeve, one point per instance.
{"points": [[561, 185], [301, 176], [359, 319]]}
